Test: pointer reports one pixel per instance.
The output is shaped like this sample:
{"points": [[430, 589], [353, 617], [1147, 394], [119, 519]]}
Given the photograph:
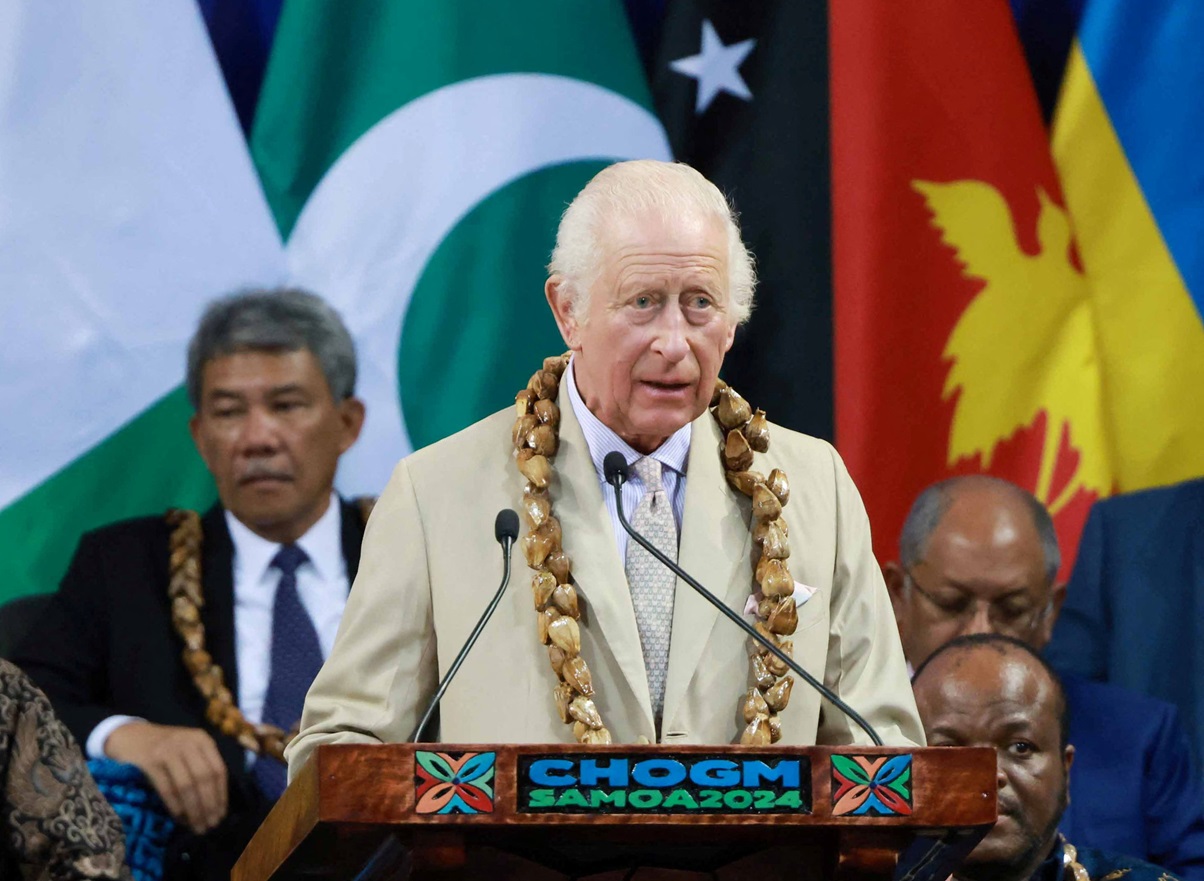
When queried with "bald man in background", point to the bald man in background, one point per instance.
{"points": [[994, 691], [979, 555]]}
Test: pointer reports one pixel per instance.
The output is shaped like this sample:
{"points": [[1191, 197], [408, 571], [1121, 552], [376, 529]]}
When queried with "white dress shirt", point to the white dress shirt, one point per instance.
{"points": [[322, 586], [600, 440]]}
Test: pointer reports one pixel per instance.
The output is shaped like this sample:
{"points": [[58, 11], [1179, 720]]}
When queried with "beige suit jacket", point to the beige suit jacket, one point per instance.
{"points": [[430, 565]]}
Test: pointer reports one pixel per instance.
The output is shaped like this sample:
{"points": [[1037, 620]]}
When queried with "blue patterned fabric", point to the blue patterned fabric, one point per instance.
{"points": [[296, 658], [147, 824]]}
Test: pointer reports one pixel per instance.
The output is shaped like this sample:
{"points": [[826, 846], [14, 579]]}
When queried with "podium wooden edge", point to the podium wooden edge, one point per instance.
{"points": [[289, 823]]}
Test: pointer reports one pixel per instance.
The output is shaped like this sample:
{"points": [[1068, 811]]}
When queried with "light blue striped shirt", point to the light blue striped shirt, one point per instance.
{"points": [[600, 439]]}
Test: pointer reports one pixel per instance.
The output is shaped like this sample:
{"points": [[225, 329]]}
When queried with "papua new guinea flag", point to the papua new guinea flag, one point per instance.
{"points": [[965, 337]]}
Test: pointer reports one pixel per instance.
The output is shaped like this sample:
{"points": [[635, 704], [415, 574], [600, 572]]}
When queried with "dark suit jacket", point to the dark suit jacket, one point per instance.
{"points": [[1133, 787], [105, 646], [1134, 612]]}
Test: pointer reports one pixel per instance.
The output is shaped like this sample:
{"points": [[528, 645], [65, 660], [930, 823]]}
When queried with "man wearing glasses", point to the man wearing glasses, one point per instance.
{"points": [[980, 555]]}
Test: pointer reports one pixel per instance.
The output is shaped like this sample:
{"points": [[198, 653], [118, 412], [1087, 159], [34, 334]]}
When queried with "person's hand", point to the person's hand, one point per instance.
{"points": [[183, 765]]}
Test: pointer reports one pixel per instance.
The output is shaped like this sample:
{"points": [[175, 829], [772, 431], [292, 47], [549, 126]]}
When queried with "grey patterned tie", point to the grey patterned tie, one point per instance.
{"points": [[650, 581]]}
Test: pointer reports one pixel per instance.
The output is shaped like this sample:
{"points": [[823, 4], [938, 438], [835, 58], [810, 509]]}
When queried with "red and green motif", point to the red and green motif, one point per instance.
{"points": [[871, 786], [447, 783]]}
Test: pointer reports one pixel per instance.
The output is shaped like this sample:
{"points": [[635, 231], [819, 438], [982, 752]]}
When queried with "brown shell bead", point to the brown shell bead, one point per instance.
{"points": [[184, 612], [774, 544], [522, 427], [599, 736], [560, 565], [584, 711], [753, 705], [757, 432], [762, 675], [778, 695], [544, 620], [779, 485], [542, 585], [542, 439], [535, 468], [523, 402], [784, 618], [775, 727], [776, 580], [737, 454], [733, 411], [557, 657], [563, 694], [536, 509], [720, 385], [757, 732], [564, 598], [776, 665], [564, 632], [555, 364], [765, 505], [548, 413], [576, 673], [744, 481]]}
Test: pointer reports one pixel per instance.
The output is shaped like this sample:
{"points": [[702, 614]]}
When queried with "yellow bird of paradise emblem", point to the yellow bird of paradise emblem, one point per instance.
{"points": [[1026, 344]]}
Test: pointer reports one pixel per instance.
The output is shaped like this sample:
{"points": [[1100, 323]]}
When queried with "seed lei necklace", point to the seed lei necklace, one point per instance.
{"points": [[536, 439], [187, 598]]}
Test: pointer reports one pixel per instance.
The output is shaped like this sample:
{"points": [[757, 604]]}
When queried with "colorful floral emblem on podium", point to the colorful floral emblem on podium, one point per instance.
{"points": [[446, 783], [871, 786]]}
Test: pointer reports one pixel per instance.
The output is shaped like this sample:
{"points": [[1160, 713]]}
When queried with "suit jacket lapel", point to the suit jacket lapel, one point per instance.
{"points": [[716, 548], [217, 580], [598, 572], [352, 524]]}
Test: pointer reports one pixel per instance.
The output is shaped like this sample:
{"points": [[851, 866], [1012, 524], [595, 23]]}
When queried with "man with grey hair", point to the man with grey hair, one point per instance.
{"points": [[979, 555], [647, 284], [184, 644]]}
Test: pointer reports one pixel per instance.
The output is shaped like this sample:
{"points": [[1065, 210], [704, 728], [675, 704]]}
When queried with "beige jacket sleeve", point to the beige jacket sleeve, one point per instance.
{"points": [[865, 665], [382, 670]]}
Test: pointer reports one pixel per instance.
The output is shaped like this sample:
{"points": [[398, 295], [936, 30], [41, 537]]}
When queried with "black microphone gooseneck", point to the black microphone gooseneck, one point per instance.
{"points": [[614, 467], [505, 530]]}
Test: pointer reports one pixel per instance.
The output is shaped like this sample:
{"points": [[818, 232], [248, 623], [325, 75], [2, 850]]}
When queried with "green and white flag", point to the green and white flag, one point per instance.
{"points": [[414, 157], [417, 157], [127, 199]]}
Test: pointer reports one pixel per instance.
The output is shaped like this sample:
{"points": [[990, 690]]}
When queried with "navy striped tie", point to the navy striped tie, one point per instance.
{"points": [[295, 659]]}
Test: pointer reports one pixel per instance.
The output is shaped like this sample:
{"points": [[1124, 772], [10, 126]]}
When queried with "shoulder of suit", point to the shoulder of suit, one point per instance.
{"points": [[1152, 502], [492, 431], [1088, 697], [148, 528]]}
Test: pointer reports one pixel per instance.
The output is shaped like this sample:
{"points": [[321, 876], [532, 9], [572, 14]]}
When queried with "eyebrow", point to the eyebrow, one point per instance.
{"points": [[274, 391]]}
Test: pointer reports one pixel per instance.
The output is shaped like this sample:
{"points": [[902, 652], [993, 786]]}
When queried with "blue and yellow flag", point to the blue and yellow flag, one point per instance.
{"points": [[1125, 137]]}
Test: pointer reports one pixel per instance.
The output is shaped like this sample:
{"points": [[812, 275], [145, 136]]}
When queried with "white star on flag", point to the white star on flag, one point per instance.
{"points": [[716, 68]]}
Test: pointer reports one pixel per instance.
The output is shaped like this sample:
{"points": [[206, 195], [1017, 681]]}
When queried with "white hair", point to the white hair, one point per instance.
{"points": [[626, 189]]}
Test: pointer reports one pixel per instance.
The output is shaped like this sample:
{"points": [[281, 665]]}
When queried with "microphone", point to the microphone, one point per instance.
{"points": [[615, 469], [505, 530]]}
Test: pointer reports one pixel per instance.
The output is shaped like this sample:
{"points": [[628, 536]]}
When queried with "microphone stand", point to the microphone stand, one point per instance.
{"points": [[505, 531], [616, 478]]}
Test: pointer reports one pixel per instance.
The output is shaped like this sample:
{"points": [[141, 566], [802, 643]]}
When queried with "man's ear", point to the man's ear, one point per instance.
{"points": [[1057, 596], [558, 298], [351, 414], [894, 576], [1068, 758]]}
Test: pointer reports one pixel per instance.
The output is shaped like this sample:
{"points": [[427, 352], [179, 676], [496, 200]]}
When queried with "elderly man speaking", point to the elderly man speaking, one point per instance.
{"points": [[649, 280]]}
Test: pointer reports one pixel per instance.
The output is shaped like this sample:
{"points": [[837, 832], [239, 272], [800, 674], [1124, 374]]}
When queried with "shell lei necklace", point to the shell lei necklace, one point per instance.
{"points": [[187, 598], [536, 438]]}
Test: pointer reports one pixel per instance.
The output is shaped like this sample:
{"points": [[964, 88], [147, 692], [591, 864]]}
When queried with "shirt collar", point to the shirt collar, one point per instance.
{"points": [[601, 439], [323, 544]]}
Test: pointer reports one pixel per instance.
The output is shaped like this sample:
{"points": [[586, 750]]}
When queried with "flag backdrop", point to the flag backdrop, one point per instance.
{"points": [[1126, 139], [965, 340], [408, 160], [414, 159], [742, 89]]}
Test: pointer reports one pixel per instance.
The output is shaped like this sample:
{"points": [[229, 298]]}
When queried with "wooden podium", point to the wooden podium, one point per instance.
{"points": [[567, 811]]}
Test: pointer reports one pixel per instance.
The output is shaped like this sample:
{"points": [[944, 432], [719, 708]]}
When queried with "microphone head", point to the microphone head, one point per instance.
{"points": [[614, 467], [506, 525]]}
